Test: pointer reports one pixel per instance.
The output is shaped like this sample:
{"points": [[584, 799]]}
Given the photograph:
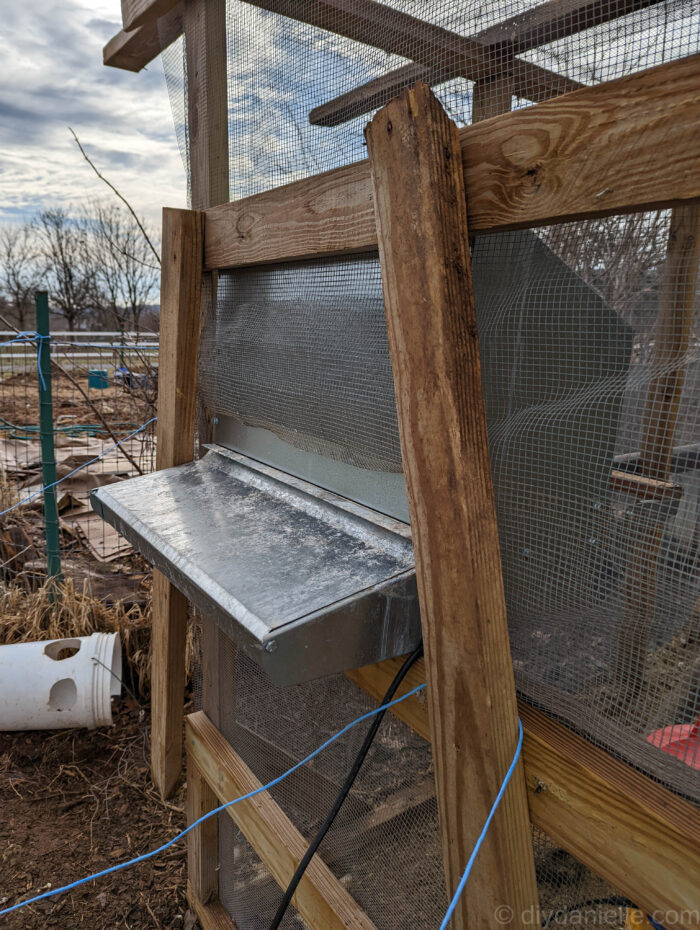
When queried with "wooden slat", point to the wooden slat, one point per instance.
{"points": [[421, 210], [321, 900], [179, 328], [203, 841], [619, 147], [187, 298], [140, 12], [328, 214], [557, 19], [398, 33], [627, 828], [643, 488], [132, 51], [207, 122], [672, 338], [624, 826], [492, 97], [212, 915], [547, 22]]}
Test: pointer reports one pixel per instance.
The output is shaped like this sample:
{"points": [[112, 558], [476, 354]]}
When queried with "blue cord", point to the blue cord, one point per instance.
{"points": [[30, 337], [245, 797], [482, 835], [79, 468]]}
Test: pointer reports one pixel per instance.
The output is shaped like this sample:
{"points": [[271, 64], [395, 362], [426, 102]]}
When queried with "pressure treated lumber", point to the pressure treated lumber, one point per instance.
{"points": [[671, 340], [207, 119], [181, 277], [204, 22], [421, 212], [629, 829], [321, 900], [212, 915], [619, 147], [132, 51], [398, 33], [548, 22], [202, 842], [139, 12]]}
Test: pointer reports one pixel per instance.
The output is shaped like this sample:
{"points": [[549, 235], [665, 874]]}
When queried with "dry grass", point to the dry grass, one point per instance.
{"points": [[9, 494], [27, 616]]}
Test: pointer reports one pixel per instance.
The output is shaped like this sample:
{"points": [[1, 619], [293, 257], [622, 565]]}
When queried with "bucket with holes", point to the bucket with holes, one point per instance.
{"points": [[60, 684]]}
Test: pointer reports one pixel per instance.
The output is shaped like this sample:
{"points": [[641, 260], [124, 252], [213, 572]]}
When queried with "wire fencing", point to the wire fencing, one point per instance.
{"points": [[77, 410]]}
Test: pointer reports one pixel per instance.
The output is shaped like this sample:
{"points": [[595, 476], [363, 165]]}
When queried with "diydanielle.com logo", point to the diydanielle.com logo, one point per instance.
{"points": [[590, 916]]}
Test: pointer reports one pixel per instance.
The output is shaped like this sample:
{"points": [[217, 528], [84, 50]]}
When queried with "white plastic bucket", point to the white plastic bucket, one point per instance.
{"points": [[61, 683]]}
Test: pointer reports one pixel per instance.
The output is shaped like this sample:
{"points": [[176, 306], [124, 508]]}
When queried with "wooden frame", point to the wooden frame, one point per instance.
{"points": [[188, 297], [620, 147], [181, 284], [548, 22], [636, 820], [321, 900], [421, 212], [638, 835], [551, 163]]}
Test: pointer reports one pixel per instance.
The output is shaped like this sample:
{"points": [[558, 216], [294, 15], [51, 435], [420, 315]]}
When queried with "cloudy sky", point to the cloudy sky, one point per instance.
{"points": [[52, 77]]}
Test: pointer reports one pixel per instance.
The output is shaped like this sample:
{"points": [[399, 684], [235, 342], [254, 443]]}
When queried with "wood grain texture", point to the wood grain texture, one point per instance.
{"points": [[501, 40], [421, 210], [212, 915], [177, 366], [140, 12], [399, 33], [502, 36], [320, 898], [203, 841], [619, 147], [328, 214], [132, 51], [207, 109], [626, 827], [181, 280], [671, 340]]}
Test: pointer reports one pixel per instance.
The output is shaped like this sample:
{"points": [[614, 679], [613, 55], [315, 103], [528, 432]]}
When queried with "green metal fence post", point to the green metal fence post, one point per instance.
{"points": [[48, 456]]}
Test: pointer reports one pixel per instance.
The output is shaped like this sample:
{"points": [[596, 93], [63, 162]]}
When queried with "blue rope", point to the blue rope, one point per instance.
{"points": [[25, 337], [79, 468], [276, 781], [482, 835], [218, 810]]}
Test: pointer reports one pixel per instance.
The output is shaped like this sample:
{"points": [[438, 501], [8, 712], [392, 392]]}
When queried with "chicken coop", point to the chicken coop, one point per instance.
{"points": [[429, 386]]}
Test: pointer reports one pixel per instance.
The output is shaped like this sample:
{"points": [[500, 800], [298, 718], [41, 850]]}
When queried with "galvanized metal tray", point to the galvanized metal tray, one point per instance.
{"points": [[307, 582]]}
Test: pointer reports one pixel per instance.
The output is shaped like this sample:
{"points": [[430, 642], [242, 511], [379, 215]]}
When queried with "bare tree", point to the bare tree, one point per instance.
{"points": [[70, 272], [20, 271], [621, 256], [126, 277]]}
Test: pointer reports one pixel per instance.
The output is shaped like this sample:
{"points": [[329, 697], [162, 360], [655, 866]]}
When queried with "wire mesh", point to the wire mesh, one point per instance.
{"points": [[590, 347], [104, 386]]}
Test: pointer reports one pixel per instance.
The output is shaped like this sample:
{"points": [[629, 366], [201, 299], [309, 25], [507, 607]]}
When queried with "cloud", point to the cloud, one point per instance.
{"points": [[52, 78]]}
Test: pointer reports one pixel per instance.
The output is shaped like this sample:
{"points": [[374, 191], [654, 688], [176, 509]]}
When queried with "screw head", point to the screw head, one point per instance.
{"points": [[271, 645]]}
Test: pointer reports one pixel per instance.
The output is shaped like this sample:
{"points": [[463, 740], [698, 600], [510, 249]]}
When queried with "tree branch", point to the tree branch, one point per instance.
{"points": [[119, 195]]}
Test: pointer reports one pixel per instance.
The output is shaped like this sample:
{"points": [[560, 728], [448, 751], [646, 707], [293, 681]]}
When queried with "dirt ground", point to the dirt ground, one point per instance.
{"points": [[20, 400], [75, 802]]}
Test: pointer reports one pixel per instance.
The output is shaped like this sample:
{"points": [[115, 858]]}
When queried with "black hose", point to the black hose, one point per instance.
{"points": [[344, 791]]}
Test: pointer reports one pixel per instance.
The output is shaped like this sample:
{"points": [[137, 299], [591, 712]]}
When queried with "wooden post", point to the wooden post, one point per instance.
{"points": [[204, 24], [420, 203], [202, 842], [672, 336], [492, 96], [179, 336]]}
